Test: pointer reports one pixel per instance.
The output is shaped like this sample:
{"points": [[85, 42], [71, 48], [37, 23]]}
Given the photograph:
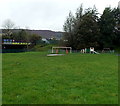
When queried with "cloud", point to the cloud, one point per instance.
{"points": [[45, 14]]}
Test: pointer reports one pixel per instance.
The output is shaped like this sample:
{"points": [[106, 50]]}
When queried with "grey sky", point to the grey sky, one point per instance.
{"points": [[45, 14]]}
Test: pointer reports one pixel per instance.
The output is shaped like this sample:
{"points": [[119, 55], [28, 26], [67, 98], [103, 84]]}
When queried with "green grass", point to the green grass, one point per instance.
{"points": [[34, 78]]}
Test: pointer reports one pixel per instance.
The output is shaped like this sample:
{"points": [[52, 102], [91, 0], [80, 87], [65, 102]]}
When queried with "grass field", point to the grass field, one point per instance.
{"points": [[34, 78]]}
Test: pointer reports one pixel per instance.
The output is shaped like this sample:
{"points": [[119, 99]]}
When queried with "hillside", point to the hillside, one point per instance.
{"points": [[47, 33], [43, 33]]}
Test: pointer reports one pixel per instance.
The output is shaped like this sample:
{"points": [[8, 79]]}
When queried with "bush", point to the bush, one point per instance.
{"points": [[117, 50]]}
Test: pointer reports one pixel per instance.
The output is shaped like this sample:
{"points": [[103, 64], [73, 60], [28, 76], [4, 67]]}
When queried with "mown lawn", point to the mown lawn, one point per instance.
{"points": [[34, 78]]}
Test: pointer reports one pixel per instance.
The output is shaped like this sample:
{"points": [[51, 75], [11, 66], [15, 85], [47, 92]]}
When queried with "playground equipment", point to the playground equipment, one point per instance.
{"points": [[57, 49], [83, 50], [89, 50], [106, 50], [96, 52]]}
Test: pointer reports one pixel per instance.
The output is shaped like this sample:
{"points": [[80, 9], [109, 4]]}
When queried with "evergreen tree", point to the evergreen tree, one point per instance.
{"points": [[116, 15], [107, 27], [68, 28], [84, 29]]}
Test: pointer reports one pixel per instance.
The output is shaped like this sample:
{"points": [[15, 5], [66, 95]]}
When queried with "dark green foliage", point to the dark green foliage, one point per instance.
{"points": [[53, 41], [83, 30], [35, 39], [20, 36], [107, 24], [109, 27], [86, 29], [68, 28], [116, 13]]}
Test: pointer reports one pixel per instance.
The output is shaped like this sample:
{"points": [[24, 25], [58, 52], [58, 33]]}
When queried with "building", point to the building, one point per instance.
{"points": [[45, 40]]}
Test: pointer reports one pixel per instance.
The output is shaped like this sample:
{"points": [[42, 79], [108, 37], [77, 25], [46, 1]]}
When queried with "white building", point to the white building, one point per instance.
{"points": [[45, 40]]}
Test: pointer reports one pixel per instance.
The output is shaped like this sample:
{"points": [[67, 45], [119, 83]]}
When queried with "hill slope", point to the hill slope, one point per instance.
{"points": [[43, 33]]}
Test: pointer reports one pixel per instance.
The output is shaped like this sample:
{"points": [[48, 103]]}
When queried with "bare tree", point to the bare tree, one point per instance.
{"points": [[7, 26]]}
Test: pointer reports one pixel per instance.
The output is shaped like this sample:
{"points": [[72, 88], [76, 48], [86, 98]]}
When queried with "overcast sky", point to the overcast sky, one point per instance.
{"points": [[45, 14]]}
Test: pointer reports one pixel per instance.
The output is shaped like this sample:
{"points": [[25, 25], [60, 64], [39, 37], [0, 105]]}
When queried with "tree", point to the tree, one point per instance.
{"points": [[116, 15], [21, 36], [107, 27], [8, 25], [87, 30], [83, 30], [79, 12], [34, 39], [68, 28]]}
